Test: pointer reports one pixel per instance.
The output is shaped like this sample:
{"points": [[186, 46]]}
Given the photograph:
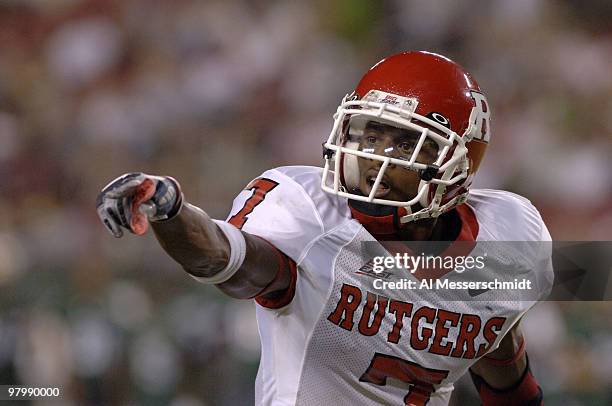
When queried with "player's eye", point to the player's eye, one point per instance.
{"points": [[371, 139], [406, 147]]}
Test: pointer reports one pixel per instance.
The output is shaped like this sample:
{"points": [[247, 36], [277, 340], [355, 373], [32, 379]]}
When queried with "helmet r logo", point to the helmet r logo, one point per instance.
{"points": [[480, 118]]}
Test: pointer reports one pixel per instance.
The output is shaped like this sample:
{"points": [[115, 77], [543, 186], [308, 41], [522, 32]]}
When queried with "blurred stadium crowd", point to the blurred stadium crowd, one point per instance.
{"points": [[215, 92]]}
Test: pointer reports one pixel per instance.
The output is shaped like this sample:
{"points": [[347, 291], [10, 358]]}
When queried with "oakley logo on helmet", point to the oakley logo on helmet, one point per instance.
{"points": [[480, 118], [439, 118]]}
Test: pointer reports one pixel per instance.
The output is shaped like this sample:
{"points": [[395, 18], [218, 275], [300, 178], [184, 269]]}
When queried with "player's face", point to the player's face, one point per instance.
{"points": [[398, 183]]}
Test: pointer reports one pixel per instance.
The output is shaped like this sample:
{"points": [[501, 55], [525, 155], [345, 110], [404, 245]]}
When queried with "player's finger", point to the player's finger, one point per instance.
{"points": [[120, 182], [124, 189], [121, 179]]}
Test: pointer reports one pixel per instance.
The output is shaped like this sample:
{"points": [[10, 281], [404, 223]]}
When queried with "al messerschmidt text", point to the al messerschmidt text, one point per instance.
{"points": [[516, 284]]}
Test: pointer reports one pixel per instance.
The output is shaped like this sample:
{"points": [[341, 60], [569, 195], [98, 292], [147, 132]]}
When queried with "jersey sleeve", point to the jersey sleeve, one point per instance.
{"points": [[516, 226], [543, 264], [277, 209], [537, 242]]}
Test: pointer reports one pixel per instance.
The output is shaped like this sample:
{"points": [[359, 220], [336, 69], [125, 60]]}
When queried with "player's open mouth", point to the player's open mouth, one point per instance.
{"points": [[383, 187]]}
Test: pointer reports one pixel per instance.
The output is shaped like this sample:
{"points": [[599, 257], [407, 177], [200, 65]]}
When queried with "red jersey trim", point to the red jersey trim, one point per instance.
{"points": [[379, 226], [287, 297], [469, 223]]}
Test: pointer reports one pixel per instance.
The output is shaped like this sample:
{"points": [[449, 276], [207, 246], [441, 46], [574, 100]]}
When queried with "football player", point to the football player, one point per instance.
{"points": [[399, 163]]}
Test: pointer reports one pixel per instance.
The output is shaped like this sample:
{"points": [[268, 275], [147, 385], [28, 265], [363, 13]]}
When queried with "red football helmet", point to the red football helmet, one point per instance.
{"points": [[430, 96]]}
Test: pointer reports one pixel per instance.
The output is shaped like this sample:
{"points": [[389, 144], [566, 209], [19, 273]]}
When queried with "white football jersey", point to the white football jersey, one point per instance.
{"points": [[336, 340]]}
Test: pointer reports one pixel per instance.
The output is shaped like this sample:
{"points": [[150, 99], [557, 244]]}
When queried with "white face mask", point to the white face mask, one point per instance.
{"points": [[405, 139]]}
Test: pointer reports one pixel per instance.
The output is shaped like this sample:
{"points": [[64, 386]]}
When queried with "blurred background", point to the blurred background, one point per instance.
{"points": [[215, 92]]}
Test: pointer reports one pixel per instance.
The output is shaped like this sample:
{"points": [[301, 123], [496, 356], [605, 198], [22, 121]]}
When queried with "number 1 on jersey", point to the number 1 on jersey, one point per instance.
{"points": [[260, 187]]}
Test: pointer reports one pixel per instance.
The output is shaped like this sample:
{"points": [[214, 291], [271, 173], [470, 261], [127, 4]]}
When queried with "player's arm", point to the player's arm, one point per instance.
{"points": [[240, 264], [203, 250], [503, 377]]}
